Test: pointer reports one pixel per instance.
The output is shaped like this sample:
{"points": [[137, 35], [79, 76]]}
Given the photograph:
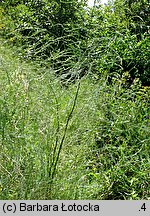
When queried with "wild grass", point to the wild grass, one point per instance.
{"points": [[89, 140]]}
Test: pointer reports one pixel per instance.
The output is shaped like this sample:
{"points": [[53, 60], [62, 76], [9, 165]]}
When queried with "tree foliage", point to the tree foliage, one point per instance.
{"points": [[105, 40]]}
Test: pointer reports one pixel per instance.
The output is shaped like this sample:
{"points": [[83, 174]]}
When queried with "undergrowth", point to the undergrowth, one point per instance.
{"points": [[89, 140]]}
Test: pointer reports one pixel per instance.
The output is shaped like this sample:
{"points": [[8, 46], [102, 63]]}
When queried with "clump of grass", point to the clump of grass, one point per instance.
{"points": [[110, 158], [93, 142]]}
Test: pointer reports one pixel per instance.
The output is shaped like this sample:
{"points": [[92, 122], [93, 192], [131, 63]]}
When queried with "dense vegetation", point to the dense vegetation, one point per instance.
{"points": [[74, 100]]}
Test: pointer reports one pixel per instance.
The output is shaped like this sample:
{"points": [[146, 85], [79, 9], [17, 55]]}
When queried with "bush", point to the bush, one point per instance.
{"points": [[125, 54]]}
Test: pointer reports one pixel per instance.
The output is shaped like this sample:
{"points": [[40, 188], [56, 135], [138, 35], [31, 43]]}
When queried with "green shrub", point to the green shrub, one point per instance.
{"points": [[125, 54]]}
